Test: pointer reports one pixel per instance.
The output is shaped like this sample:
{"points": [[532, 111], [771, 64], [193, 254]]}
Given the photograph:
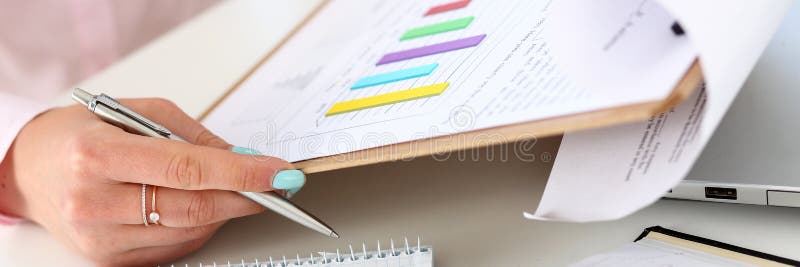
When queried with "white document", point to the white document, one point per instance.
{"points": [[509, 77], [618, 47], [608, 173]]}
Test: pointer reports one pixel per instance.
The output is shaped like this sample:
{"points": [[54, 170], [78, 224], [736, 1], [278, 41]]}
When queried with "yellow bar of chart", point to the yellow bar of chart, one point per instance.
{"points": [[388, 98]]}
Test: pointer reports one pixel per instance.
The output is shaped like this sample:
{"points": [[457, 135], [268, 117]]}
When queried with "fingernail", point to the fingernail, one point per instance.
{"points": [[289, 180], [244, 150]]}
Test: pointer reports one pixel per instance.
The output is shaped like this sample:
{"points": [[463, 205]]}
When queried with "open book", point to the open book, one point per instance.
{"points": [[658, 246]]}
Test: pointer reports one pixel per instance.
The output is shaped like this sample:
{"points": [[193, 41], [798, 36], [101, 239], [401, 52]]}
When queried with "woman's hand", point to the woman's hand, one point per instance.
{"points": [[81, 178]]}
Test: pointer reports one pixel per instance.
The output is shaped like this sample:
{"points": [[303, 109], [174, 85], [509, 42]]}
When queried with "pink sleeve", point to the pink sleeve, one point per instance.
{"points": [[16, 112], [8, 220]]}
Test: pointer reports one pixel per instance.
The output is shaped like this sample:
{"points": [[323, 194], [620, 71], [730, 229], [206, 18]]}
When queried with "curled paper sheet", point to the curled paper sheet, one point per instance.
{"points": [[618, 48], [609, 173]]}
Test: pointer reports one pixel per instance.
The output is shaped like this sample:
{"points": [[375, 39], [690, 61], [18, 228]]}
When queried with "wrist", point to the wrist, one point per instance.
{"points": [[11, 200]]}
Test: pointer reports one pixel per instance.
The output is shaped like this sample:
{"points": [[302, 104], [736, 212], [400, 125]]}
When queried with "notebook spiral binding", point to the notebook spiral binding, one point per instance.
{"points": [[335, 259]]}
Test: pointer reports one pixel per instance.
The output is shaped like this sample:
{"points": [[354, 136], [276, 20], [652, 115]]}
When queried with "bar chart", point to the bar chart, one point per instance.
{"points": [[412, 72], [392, 71], [421, 44]]}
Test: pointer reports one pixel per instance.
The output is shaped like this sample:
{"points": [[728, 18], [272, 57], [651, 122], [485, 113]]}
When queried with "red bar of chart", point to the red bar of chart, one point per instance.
{"points": [[447, 7]]}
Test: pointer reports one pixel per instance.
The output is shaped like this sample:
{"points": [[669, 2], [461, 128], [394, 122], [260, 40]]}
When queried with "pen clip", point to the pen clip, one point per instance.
{"points": [[115, 105]]}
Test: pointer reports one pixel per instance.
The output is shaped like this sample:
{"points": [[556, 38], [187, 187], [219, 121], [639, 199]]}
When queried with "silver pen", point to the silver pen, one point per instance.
{"points": [[115, 113]]}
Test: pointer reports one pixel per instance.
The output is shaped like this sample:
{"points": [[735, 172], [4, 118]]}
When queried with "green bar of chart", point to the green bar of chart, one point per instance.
{"points": [[450, 25]]}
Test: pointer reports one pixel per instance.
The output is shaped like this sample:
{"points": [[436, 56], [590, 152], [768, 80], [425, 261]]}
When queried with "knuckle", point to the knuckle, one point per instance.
{"points": [[242, 181], [161, 103], [83, 154], [184, 172], [251, 176], [165, 106], [206, 137], [201, 210], [76, 207]]}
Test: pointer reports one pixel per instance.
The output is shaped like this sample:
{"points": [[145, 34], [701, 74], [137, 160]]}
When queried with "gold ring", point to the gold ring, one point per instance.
{"points": [[154, 216]]}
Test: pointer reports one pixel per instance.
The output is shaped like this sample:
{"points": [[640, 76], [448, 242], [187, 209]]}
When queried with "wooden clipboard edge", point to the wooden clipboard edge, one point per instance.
{"points": [[266, 57], [505, 134], [714, 247], [508, 133]]}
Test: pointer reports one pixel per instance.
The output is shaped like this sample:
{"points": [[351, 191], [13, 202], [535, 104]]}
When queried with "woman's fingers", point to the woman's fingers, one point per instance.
{"points": [[178, 165], [171, 116], [181, 208], [177, 208]]}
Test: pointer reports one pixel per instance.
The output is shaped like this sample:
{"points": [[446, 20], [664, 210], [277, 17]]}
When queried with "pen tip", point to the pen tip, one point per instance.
{"points": [[334, 234]]}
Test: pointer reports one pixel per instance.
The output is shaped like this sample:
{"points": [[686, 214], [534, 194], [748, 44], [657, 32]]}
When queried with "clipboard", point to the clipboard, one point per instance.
{"points": [[510, 133]]}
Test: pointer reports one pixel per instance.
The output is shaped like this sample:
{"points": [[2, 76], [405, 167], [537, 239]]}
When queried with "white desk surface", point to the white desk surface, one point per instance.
{"points": [[470, 211]]}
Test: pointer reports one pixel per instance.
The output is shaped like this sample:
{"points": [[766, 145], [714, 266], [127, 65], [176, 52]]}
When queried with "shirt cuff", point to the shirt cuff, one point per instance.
{"points": [[8, 220], [17, 111]]}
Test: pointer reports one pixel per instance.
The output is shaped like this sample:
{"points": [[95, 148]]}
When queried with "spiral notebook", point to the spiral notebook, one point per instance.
{"points": [[405, 256]]}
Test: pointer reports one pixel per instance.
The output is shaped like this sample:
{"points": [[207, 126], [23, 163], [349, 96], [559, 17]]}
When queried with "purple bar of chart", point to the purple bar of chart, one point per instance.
{"points": [[431, 49]]}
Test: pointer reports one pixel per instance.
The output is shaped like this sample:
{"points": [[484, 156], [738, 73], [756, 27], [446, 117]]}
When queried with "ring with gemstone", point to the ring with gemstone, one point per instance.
{"points": [[154, 216]]}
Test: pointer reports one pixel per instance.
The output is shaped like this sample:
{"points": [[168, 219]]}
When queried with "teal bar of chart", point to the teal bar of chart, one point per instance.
{"points": [[394, 76]]}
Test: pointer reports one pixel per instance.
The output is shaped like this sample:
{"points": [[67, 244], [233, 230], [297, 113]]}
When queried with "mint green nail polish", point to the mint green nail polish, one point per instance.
{"points": [[244, 150], [291, 180]]}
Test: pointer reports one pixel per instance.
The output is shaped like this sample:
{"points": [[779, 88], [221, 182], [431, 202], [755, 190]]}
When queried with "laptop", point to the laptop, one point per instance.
{"points": [[754, 156]]}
